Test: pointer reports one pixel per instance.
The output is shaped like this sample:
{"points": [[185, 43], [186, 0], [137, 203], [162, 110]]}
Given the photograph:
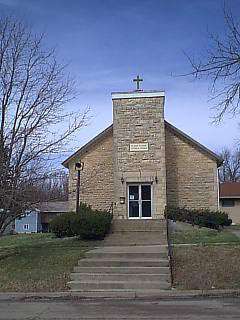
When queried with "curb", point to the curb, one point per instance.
{"points": [[160, 295], [205, 244]]}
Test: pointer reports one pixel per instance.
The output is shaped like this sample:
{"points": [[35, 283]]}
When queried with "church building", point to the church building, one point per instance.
{"points": [[141, 163]]}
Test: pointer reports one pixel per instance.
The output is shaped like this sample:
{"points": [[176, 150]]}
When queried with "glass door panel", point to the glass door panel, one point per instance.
{"points": [[146, 209], [134, 192], [134, 209], [146, 201], [133, 201], [146, 192], [140, 201]]}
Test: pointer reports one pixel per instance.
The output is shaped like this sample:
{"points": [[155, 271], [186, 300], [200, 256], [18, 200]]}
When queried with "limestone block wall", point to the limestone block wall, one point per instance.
{"points": [[96, 178], [139, 120], [191, 176]]}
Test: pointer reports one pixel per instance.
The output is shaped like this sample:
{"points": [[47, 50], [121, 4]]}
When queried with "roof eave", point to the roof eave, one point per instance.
{"points": [[88, 144], [229, 197], [210, 153], [207, 151]]}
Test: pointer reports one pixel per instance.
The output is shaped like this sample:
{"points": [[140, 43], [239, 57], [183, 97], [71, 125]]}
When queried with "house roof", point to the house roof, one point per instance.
{"points": [[229, 190], [53, 206], [176, 131]]}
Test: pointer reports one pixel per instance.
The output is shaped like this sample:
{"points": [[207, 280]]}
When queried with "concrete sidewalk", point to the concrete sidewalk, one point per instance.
{"points": [[195, 309], [158, 295]]}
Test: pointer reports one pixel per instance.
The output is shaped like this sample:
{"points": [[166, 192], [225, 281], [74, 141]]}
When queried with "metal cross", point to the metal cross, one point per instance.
{"points": [[138, 80]]}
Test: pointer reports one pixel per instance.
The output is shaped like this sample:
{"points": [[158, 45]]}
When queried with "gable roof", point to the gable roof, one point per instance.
{"points": [[195, 143], [84, 148], [229, 190], [176, 131]]}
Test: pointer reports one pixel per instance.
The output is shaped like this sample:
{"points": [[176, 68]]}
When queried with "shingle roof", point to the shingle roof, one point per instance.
{"points": [[53, 206], [229, 190]]}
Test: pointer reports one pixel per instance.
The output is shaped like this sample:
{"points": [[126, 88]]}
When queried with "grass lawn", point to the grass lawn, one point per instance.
{"points": [[25, 239], [39, 262], [207, 267], [203, 235], [235, 227]]}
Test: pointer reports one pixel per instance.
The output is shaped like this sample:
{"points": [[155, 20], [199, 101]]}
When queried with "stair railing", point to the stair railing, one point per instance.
{"points": [[170, 246]]}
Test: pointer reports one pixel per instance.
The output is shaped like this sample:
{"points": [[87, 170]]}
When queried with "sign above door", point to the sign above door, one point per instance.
{"points": [[138, 146]]}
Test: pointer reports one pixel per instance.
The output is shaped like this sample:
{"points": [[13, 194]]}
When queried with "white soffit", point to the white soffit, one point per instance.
{"points": [[137, 94]]}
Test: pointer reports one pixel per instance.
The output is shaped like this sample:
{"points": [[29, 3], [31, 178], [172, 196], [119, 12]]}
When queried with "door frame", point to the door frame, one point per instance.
{"points": [[139, 200]]}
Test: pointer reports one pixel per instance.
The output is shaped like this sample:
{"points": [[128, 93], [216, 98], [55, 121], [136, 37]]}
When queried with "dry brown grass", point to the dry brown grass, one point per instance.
{"points": [[207, 267]]}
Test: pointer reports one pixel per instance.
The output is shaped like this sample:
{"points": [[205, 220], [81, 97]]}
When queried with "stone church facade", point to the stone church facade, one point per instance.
{"points": [[141, 163]]}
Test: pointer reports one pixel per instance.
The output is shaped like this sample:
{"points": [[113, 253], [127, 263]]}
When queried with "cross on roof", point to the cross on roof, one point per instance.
{"points": [[138, 80]]}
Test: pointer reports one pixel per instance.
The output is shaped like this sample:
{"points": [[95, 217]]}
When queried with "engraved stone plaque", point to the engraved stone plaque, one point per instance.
{"points": [[139, 146]]}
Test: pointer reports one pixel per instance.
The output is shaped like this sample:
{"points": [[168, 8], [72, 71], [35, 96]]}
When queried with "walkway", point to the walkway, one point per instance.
{"points": [[198, 309]]}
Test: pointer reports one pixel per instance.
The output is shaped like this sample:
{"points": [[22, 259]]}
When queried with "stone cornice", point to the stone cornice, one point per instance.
{"points": [[138, 94]]}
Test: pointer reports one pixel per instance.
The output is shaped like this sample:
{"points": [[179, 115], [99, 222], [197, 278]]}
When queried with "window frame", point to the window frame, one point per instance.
{"points": [[228, 203], [139, 200], [26, 226]]}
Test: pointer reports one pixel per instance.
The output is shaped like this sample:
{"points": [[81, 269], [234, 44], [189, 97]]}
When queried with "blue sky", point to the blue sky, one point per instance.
{"points": [[108, 42]]}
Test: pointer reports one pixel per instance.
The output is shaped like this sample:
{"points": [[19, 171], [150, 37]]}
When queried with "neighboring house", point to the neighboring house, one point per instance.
{"points": [[141, 163], [229, 200], [49, 210], [30, 222], [38, 220]]}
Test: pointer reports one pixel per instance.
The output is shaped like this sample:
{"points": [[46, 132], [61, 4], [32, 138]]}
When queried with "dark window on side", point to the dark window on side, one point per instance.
{"points": [[45, 227], [228, 203]]}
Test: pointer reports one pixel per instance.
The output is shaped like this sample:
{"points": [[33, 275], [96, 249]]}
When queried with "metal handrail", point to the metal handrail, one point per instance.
{"points": [[170, 248]]}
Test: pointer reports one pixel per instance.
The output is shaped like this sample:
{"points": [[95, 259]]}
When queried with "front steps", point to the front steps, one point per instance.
{"points": [[123, 270], [119, 270], [133, 262], [139, 225], [126, 263], [137, 233], [139, 238]]}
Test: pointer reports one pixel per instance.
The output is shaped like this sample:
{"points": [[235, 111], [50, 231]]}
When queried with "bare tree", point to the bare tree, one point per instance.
{"points": [[51, 186], [230, 169], [34, 89], [221, 64]]}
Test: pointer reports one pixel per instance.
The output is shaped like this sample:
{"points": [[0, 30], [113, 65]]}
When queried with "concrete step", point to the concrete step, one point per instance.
{"points": [[86, 277], [122, 293], [132, 285], [138, 225], [135, 239], [126, 255], [123, 263], [123, 270], [132, 249]]}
